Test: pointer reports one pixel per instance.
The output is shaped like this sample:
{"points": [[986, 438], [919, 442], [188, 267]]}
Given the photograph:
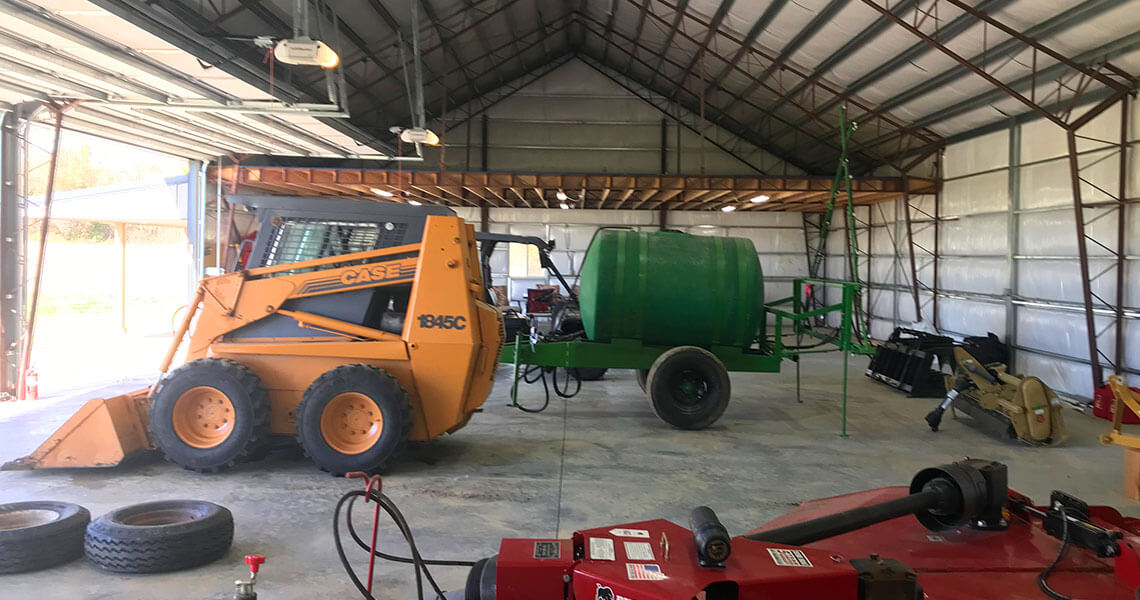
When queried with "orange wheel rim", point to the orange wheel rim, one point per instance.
{"points": [[351, 423], [203, 417]]}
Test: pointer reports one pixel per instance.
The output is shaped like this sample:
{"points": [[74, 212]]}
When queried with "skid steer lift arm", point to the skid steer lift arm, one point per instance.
{"points": [[488, 242]]}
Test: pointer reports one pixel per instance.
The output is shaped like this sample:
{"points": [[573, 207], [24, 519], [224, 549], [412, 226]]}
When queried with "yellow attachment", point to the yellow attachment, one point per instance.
{"points": [[101, 434], [1123, 398]]}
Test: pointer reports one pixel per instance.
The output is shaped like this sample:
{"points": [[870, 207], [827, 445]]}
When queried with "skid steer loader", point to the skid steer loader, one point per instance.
{"points": [[359, 327]]}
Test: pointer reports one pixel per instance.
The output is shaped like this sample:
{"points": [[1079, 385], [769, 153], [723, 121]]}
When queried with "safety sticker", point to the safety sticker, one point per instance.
{"points": [[935, 538], [634, 533], [789, 558], [602, 549], [643, 572], [547, 550], [638, 551]]}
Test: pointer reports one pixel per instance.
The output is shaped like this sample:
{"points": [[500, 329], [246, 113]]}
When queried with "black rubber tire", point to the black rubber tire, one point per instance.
{"points": [[642, 377], [184, 534], [374, 383], [589, 373], [688, 366], [30, 545], [251, 414]]}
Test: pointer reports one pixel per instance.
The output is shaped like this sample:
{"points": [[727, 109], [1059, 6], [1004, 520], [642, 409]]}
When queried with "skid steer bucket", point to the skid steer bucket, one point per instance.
{"points": [[101, 434]]}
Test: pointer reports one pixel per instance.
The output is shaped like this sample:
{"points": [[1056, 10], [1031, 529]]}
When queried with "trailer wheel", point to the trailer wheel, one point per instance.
{"points": [[161, 536], [688, 387], [642, 377], [40, 534], [209, 414], [354, 418]]}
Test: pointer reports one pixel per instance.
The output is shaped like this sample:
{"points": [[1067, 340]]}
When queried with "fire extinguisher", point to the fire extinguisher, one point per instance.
{"points": [[31, 384]]}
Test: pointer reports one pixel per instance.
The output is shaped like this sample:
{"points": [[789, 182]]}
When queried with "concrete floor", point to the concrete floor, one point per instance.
{"points": [[601, 458]]}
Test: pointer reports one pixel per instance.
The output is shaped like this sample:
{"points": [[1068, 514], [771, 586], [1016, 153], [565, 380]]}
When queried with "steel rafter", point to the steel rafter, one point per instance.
{"points": [[746, 44], [439, 46], [822, 18], [853, 45], [678, 16], [740, 98], [1010, 46], [944, 33], [717, 116], [721, 12]]}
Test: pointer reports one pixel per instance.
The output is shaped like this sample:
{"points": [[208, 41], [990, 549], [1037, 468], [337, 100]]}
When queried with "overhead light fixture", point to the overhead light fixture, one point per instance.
{"points": [[728, 208], [415, 203], [419, 135], [564, 206], [760, 198], [304, 50], [561, 195], [380, 192]]}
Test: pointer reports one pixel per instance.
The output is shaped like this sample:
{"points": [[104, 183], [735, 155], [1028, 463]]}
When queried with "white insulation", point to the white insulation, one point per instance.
{"points": [[1008, 249]]}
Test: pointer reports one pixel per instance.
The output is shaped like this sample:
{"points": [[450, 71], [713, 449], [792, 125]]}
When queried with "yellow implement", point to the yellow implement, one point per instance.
{"points": [[1131, 443]]}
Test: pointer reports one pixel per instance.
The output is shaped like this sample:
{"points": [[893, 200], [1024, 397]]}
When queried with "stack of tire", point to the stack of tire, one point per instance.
{"points": [[153, 537]]}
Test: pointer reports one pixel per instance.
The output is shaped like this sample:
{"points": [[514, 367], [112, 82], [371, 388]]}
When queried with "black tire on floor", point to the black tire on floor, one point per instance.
{"points": [[688, 387], [589, 373], [156, 537], [248, 432], [642, 377], [40, 534], [347, 397]]}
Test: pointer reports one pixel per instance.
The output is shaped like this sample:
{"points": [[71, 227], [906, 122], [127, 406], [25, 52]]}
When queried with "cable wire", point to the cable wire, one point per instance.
{"points": [[1043, 577], [420, 564]]}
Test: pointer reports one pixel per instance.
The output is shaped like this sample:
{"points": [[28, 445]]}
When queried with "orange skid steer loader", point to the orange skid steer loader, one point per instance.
{"points": [[354, 352]]}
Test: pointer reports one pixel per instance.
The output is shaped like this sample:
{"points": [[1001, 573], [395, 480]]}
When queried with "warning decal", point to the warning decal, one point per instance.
{"points": [[547, 550], [634, 533], [784, 557], [601, 549], [638, 551]]}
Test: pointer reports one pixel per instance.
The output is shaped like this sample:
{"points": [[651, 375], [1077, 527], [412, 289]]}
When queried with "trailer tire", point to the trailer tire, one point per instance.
{"points": [[161, 536], [354, 418], [688, 387], [40, 534], [226, 399], [642, 377]]}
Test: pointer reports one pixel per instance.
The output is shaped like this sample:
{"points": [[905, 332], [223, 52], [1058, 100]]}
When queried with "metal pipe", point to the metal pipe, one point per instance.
{"points": [[49, 195]]}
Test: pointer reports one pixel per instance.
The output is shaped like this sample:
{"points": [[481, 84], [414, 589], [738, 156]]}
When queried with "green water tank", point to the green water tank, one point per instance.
{"points": [[672, 289]]}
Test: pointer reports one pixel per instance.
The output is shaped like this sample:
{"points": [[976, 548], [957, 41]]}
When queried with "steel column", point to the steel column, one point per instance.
{"points": [[910, 247], [12, 253], [483, 144], [1013, 228], [1082, 251]]}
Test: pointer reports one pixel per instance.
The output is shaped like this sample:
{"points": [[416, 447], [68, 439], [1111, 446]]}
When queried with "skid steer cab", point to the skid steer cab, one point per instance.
{"points": [[361, 326]]}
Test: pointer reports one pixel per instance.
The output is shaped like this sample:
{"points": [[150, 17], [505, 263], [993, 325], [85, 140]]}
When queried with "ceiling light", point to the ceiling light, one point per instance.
{"points": [[564, 206], [305, 51], [561, 195], [760, 198], [419, 135], [728, 208], [380, 192], [415, 202]]}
